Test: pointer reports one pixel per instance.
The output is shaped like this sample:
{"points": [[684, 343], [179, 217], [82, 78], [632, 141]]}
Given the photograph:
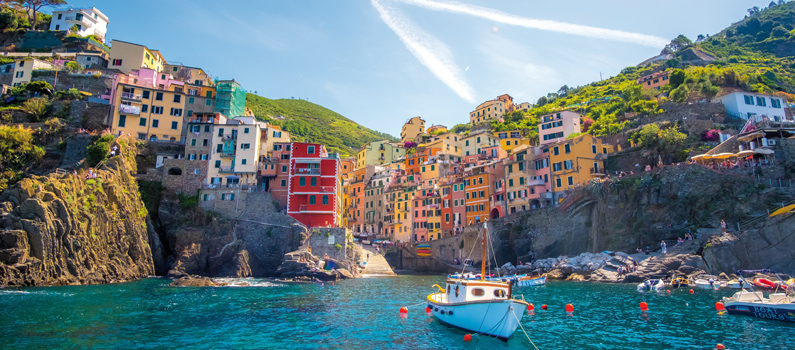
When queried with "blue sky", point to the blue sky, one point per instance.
{"points": [[381, 62]]}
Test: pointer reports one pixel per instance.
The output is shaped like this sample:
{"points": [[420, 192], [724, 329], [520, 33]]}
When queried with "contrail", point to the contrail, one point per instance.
{"points": [[432, 53], [555, 26]]}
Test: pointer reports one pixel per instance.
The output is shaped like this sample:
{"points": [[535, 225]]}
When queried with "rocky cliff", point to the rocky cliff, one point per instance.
{"points": [[66, 229], [770, 246]]}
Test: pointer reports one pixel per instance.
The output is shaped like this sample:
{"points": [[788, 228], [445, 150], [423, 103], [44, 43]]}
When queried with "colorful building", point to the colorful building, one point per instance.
{"points": [[314, 188], [87, 21], [126, 56], [379, 153], [149, 106], [476, 141], [516, 174], [654, 80], [230, 98], [575, 162], [411, 129], [234, 155], [491, 110], [24, 67], [558, 126], [509, 140]]}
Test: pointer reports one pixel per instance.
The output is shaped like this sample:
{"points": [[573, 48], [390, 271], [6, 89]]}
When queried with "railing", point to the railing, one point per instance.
{"points": [[129, 109], [535, 182], [228, 153], [308, 171], [130, 96], [226, 169], [597, 171], [764, 216], [326, 188]]}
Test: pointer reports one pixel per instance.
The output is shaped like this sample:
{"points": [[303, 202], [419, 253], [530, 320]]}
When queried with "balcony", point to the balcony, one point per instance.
{"points": [[302, 208], [226, 169], [307, 171], [327, 189], [227, 153], [130, 96], [129, 109], [535, 182], [597, 172]]}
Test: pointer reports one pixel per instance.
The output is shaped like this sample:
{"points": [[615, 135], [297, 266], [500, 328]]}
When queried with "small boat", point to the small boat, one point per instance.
{"points": [[738, 284], [777, 306], [765, 283], [680, 282], [531, 281], [707, 284], [480, 306], [651, 285]]}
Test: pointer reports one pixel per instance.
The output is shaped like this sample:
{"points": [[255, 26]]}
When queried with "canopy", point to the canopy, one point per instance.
{"points": [[704, 156], [724, 155], [233, 177], [764, 151], [745, 153]]}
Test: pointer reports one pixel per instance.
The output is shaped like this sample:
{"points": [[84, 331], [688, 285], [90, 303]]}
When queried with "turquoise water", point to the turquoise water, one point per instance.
{"points": [[363, 314]]}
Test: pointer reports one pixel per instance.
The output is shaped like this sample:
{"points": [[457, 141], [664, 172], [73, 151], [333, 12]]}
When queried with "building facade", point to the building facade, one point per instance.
{"points": [[315, 191], [558, 126], [747, 104], [411, 129], [87, 21], [126, 56]]}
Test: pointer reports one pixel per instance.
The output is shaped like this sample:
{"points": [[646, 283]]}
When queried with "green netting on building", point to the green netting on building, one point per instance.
{"points": [[230, 98]]}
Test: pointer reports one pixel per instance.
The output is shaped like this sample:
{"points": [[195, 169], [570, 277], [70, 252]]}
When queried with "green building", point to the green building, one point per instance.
{"points": [[230, 98]]}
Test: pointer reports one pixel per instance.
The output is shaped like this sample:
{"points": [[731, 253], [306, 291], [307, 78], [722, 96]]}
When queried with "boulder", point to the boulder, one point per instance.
{"points": [[194, 281], [575, 277], [556, 274]]}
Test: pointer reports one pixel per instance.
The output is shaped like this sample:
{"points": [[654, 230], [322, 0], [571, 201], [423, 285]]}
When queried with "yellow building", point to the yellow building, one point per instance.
{"points": [[436, 129], [24, 67], [476, 141], [448, 143], [149, 114], [126, 56], [509, 140], [516, 169], [493, 109], [411, 129], [379, 153], [576, 161]]}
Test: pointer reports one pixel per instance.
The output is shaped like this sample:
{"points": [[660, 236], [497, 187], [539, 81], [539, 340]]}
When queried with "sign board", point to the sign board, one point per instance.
{"points": [[331, 239]]}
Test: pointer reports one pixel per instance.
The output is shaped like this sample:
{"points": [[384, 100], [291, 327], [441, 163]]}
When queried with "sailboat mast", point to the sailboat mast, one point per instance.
{"points": [[483, 259]]}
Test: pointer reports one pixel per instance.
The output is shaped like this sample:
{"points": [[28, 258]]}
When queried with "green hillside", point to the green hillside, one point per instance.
{"points": [[307, 121]]}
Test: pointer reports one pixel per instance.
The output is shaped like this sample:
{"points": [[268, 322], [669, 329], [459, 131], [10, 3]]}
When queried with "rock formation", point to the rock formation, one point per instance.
{"points": [[66, 229], [766, 247]]}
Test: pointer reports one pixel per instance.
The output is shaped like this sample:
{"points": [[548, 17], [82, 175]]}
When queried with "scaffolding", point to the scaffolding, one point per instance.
{"points": [[230, 98]]}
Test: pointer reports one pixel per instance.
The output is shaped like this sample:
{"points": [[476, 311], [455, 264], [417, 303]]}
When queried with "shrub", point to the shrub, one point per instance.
{"points": [[99, 150], [37, 108], [73, 66], [40, 87], [710, 135], [8, 20], [338, 246], [70, 94], [188, 202]]}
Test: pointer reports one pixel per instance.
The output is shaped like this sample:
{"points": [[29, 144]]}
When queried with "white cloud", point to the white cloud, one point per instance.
{"points": [[549, 25], [432, 53]]}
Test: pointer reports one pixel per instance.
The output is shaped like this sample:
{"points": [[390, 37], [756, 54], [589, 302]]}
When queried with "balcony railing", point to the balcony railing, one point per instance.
{"points": [[226, 169], [307, 171], [535, 182], [129, 109], [130, 96], [597, 171], [327, 189], [227, 153]]}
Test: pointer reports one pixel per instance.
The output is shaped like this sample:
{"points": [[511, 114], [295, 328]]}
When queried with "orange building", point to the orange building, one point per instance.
{"points": [[654, 80]]}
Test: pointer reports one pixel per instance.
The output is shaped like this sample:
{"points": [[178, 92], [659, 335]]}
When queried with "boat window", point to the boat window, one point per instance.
{"points": [[478, 292], [499, 293], [448, 289]]}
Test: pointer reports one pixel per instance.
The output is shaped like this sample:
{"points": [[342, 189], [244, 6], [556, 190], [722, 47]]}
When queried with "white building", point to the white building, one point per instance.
{"points": [[557, 127], [746, 104], [89, 21]]}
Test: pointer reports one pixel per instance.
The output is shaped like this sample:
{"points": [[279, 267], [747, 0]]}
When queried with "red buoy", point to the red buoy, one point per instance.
{"points": [[644, 306], [669, 292], [467, 337], [691, 291], [544, 307], [569, 308], [720, 347], [428, 309], [530, 307], [404, 310], [719, 306]]}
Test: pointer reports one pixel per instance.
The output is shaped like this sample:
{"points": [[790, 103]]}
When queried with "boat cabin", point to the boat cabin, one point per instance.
{"points": [[460, 291]]}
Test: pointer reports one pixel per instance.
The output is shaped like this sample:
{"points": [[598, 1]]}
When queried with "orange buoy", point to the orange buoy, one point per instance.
{"points": [[544, 307], [404, 310], [569, 308], [467, 337], [691, 291], [720, 347], [669, 292], [719, 306], [644, 306], [530, 307]]}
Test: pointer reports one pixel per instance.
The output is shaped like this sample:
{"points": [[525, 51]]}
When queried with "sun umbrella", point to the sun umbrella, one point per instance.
{"points": [[724, 155]]}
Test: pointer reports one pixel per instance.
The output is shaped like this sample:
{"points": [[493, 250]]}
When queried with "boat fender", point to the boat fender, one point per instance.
{"points": [[436, 309], [450, 312]]}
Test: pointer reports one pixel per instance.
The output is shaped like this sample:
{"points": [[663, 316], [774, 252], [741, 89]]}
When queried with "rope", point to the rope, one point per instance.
{"points": [[523, 331]]}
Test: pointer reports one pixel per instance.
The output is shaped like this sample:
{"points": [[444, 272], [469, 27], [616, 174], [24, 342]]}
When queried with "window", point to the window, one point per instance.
{"points": [[177, 98], [325, 199], [245, 130], [312, 199], [521, 180], [245, 146], [510, 182], [556, 166], [177, 112], [284, 183], [775, 103], [556, 150], [157, 109], [191, 100], [156, 123], [146, 94], [604, 150], [192, 141], [749, 100], [567, 164], [310, 149], [203, 157], [217, 164], [20, 74], [60, 15], [144, 108], [760, 101], [58, 26], [174, 125], [116, 62], [243, 161], [122, 120], [208, 102], [301, 181], [190, 113], [313, 181], [567, 148], [557, 182], [142, 122], [159, 96], [284, 168]]}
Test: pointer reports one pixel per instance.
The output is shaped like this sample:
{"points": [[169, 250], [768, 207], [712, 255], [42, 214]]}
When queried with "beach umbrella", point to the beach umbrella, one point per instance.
{"points": [[745, 153], [724, 156]]}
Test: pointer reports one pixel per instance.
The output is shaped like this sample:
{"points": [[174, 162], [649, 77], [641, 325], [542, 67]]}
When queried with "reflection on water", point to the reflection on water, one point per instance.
{"points": [[362, 314]]}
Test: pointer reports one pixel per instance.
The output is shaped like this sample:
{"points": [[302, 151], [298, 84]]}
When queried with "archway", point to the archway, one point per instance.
{"points": [[175, 171], [380, 227], [495, 213], [535, 204]]}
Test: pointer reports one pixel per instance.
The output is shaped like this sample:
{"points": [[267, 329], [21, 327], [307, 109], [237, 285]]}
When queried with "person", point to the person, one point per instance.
{"points": [[689, 234], [639, 250], [648, 167], [664, 247], [723, 226], [647, 250], [368, 256]]}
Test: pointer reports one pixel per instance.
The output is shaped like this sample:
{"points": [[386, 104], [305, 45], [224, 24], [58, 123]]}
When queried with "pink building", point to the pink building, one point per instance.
{"points": [[556, 127]]}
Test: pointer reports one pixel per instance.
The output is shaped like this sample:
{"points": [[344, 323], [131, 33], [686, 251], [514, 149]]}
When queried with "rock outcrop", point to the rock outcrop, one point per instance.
{"points": [[302, 264], [66, 229], [767, 247]]}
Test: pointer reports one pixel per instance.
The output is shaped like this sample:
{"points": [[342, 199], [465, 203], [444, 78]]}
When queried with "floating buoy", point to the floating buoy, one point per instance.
{"points": [[644, 306], [720, 347], [569, 308], [404, 310], [530, 307], [467, 337], [669, 292], [544, 307], [719, 306], [428, 309], [691, 291]]}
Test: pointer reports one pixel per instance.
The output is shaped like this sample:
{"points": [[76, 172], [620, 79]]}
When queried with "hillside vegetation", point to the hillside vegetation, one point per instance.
{"points": [[307, 121]]}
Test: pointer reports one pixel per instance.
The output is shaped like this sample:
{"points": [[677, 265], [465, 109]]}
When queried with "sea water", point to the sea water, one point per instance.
{"points": [[364, 314]]}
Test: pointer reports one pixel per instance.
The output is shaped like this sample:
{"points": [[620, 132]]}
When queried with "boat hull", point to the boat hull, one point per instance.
{"points": [[540, 281], [778, 312], [491, 317]]}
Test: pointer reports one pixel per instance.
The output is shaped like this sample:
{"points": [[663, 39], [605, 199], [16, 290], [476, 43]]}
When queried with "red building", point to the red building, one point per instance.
{"points": [[314, 195]]}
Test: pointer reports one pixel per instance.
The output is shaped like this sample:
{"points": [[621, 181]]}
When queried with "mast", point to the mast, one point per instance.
{"points": [[483, 259]]}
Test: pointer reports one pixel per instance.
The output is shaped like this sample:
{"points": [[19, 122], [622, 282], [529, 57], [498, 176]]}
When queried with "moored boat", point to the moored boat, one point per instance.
{"points": [[651, 285], [765, 283], [484, 307], [707, 284], [680, 282], [777, 306], [738, 284], [531, 281]]}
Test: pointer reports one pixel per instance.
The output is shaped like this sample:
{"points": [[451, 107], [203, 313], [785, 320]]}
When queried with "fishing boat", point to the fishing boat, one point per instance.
{"points": [[655, 285], [480, 306], [777, 306], [531, 281], [707, 284], [680, 282]]}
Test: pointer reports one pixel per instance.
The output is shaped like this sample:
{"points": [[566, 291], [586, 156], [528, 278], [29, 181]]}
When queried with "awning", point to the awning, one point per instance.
{"points": [[724, 155], [233, 177], [745, 153], [764, 151], [700, 156]]}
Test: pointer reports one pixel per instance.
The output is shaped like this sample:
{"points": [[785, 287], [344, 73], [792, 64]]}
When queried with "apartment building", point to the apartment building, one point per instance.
{"points": [[491, 110], [126, 56], [379, 153], [23, 69], [509, 140], [746, 105], [447, 143], [576, 161], [654, 81], [234, 153], [476, 141], [516, 174], [413, 128], [190, 75], [314, 188], [87, 21], [275, 171], [558, 126], [230, 98], [149, 109]]}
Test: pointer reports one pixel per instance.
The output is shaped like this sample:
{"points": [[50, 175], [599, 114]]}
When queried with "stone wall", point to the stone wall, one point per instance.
{"points": [[785, 150], [210, 199], [329, 241], [84, 82], [184, 176]]}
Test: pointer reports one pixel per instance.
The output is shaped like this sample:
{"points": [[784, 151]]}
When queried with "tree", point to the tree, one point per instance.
{"points": [[754, 10], [563, 90], [73, 66], [700, 38], [671, 140], [772, 4], [649, 135], [8, 20], [32, 8], [541, 101], [37, 108], [709, 91], [100, 150], [40, 87], [676, 78], [679, 95], [779, 32]]}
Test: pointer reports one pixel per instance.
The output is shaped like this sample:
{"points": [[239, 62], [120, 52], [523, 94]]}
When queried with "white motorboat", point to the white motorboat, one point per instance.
{"points": [[480, 306], [707, 284], [741, 284], [531, 281], [655, 285], [777, 306]]}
